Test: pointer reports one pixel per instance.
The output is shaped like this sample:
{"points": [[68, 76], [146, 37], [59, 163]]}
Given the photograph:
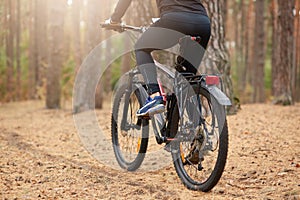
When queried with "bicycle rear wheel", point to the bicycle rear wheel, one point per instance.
{"points": [[200, 156], [130, 141]]}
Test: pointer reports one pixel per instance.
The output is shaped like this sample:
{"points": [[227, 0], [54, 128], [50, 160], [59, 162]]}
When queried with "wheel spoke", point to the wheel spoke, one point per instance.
{"points": [[199, 151], [128, 143]]}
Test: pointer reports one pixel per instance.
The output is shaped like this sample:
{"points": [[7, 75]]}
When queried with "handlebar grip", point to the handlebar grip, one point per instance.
{"points": [[121, 27], [103, 25], [116, 27]]}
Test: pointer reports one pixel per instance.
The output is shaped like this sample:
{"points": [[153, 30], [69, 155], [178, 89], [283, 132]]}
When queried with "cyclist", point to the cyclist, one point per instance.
{"points": [[187, 17]]}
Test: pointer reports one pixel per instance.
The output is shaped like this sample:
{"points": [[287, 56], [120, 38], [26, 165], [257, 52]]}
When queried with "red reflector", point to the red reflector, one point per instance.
{"points": [[212, 80]]}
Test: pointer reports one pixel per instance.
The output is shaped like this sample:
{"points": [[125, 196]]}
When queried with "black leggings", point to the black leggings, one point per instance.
{"points": [[166, 33]]}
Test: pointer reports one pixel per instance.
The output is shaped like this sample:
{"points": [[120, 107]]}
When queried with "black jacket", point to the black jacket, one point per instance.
{"points": [[164, 6]]}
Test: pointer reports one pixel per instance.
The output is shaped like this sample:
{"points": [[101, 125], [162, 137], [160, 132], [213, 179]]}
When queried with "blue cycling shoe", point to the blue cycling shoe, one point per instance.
{"points": [[152, 106]]}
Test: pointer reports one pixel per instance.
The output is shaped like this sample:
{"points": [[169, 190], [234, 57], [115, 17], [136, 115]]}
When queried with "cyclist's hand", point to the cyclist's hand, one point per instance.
{"points": [[109, 24]]}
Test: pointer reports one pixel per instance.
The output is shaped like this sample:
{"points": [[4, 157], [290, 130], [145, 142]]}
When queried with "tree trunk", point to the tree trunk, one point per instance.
{"points": [[251, 43], [217, 57], [36, 50], [18, 50], [224, 13], [106, 79], [56, 41], [248, 48], [2, 23], [76, 32], [285, 38], [275, 42], [259, 54], [126, 59], [41, 23], [297, 55], [243, 48], [9, 49], [239, 25], [32, 52], [93, 38]]}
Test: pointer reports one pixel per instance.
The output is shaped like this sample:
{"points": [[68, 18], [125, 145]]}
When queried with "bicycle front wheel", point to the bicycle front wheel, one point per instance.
{"points": [[129, 134], [200, 156]]}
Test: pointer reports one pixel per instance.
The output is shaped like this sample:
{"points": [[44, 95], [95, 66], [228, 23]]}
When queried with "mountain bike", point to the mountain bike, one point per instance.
{"points": [[193, 126]]}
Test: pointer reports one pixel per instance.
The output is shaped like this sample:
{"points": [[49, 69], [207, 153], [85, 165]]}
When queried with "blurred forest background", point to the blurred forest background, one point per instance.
{"points": [[43, 43]]}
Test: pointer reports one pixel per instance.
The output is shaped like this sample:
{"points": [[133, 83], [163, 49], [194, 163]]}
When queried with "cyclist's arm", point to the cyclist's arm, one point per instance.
{"points": [[120, 10]]}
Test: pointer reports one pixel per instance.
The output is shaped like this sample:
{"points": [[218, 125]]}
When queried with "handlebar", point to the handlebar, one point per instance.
{"points": [[123, 27]]}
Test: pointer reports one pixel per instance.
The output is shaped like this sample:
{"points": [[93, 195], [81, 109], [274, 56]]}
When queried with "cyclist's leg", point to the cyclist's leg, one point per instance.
{"points": [[147, 68], [166, 33], [193, 25], [153, 39]]}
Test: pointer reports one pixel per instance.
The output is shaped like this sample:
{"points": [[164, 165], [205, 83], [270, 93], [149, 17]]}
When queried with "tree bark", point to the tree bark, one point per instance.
{"points": [[217, 56], [18, 50], [32, 52], [296, 60], [297, 55], [10, 35], [41, 23], [238, 38], [93, 38], [76, 32], [275, 43], [243, 48], [56, 40], [106, 81], [2, 24], [283, 66], [259, 54], [251, 43]]}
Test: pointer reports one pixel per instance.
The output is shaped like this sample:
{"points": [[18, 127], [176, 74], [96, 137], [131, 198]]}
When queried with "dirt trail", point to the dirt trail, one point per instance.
{"points": [[42, 157]]}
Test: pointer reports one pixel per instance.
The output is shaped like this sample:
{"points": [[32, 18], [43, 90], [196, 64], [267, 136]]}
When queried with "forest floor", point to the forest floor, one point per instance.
{"points": [[42, 157]]}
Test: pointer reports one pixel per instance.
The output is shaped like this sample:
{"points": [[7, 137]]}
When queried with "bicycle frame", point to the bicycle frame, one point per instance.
{"points": [[161, 133], [159, 121]]}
